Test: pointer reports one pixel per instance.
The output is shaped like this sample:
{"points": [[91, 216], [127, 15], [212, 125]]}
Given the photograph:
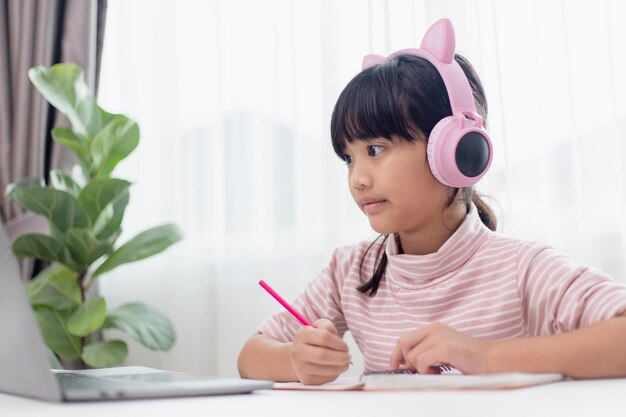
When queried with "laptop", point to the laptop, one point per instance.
{"points": [[25, 368]]}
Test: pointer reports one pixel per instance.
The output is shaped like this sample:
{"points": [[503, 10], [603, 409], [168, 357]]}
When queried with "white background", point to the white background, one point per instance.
{"points": [[234, 98]]}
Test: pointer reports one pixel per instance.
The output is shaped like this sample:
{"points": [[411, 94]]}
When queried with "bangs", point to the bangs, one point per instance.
{"points": [[372, 105]]}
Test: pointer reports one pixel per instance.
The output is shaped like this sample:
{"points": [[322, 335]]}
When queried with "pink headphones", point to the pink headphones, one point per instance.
{"points": [[459, 149]]}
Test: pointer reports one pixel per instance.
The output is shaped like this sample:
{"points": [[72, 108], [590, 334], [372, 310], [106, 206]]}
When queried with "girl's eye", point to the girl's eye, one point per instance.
{"points": [[374, 150], [347, 159]]}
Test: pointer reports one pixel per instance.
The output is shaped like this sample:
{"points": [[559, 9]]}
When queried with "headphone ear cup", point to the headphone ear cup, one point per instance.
{"points": [[437, 160], [458, 155]]}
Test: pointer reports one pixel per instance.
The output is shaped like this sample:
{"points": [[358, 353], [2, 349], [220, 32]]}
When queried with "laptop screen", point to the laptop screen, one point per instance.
{"points": [[23, 358]]}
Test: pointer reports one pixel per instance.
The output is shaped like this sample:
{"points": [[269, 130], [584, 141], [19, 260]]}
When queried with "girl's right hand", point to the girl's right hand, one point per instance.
{"points": [[317, 354]]}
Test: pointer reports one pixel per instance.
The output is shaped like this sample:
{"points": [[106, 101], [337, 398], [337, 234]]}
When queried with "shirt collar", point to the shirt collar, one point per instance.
{"points": [[414, 271]]}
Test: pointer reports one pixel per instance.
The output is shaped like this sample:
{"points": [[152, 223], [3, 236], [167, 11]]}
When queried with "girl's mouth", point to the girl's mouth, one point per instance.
{"points": [[373, 206]]}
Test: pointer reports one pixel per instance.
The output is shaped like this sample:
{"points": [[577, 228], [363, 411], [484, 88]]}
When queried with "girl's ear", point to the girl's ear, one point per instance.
{"points": [[439, 41]]}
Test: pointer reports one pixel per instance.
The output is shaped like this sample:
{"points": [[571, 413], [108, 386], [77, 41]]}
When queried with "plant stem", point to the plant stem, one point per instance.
{"points": [[81, 284], [83, 300]]}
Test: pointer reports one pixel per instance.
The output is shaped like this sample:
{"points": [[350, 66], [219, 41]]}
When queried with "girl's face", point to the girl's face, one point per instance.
{"points": [[392, 184]]}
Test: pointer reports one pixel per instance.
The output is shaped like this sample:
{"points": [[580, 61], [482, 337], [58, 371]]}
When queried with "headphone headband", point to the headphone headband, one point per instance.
{"points": [[459, 149], [438, 48]]}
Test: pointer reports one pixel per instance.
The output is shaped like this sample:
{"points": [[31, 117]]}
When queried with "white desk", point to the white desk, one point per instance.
{"points": [[570, 398]]}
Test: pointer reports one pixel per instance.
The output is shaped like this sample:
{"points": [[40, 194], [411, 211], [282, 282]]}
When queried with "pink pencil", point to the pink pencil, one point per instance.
{"points": [[285, 304]]}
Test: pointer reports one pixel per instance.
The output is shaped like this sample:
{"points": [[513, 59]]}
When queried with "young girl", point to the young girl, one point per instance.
{"points": [[441, 286]]}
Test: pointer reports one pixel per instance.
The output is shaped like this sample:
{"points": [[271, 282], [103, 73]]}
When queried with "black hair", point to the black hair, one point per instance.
{"points": [[402, 98]]}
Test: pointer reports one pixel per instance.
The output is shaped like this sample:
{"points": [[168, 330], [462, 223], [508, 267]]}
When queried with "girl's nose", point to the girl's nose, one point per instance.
{"points": [[360, 177]]}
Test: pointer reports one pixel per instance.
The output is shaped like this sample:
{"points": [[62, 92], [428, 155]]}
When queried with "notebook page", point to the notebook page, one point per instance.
{"points": [[412, 381], [340, 384]]}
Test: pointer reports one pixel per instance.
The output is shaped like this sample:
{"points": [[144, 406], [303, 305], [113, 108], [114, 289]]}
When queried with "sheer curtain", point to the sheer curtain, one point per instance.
{"points": [[234, 100]]}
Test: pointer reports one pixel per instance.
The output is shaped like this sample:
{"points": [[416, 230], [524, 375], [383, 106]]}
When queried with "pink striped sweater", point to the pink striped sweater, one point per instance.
{"points": [[479, 282]]}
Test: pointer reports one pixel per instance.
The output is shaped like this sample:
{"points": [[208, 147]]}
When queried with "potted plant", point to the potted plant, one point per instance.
{"points": [[85, 209]]}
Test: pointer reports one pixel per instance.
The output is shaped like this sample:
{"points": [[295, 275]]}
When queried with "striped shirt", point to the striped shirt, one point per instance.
{"points": [[479, 282]]}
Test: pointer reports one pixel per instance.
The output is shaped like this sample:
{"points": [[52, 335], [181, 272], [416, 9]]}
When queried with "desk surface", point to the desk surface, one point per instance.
{"points": [[569, 398]]}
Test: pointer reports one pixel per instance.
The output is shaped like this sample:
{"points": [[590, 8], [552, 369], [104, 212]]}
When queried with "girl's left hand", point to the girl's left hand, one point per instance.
{"points": [[437, 344]]}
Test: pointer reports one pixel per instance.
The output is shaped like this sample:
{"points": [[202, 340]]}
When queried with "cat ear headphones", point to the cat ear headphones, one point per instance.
{"points": [[459, 149]]}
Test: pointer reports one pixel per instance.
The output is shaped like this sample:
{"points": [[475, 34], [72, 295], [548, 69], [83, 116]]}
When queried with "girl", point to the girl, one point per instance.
{"points": [[441, 286]]}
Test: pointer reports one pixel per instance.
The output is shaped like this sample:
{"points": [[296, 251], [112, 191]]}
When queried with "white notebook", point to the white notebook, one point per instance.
{"points": [[406, 380]]}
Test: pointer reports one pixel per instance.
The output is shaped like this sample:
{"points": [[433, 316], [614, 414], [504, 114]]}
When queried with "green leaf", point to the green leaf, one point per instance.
{"points": [[88, 318], [105, 201], [143, 323], [105, 354], [109, 221], [64, 86], [98, 194], [79, 175], [53, 325], [114, 143], [26, 183], [84, 246], [78, 144], [55, 287], [104, 219], [41, 247], [61, 181], [60, 207], [144, 245], [55, 232]]}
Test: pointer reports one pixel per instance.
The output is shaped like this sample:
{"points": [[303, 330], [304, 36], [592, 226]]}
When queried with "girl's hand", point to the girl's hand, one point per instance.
{"points": [[317, 354], [424, 349]]}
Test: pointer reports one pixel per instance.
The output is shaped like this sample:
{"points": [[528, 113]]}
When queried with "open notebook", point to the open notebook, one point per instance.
{"points": [[404, 379]]}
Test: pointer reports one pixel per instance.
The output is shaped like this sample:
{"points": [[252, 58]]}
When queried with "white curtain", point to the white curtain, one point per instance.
{"points": [[234, 98]]}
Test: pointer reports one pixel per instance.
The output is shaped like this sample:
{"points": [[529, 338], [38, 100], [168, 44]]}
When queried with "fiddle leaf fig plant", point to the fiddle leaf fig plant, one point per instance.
{"points": [[85, 209]]}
